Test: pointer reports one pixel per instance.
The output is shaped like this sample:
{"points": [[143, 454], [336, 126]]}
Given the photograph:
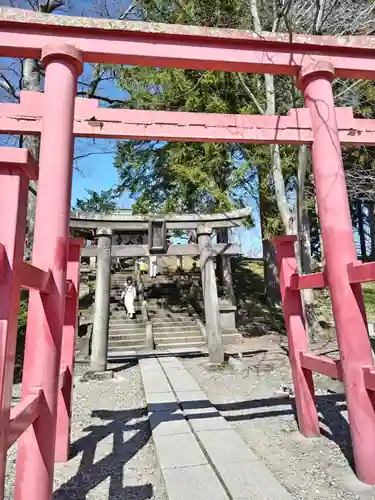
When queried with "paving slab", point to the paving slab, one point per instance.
{"points": [[194, 483], [248, 481], [179, 450], [203, 422], [188, 396], [181, 380], [155, 382], [161, 401], [168, 424], [226, 446]]}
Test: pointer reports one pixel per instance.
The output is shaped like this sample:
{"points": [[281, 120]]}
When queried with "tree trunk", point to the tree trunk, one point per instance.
{"points": [[271, 281], [303, 248], [370, 218], [270, 276], [31, 82], [361, 229]]}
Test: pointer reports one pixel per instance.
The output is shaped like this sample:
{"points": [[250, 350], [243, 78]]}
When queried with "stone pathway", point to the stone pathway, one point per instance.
{"points": [[201, 456]]}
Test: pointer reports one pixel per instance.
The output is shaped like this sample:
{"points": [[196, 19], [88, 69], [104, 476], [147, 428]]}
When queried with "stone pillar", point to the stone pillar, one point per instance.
{"points": [[92, 263], [99, 344], [180, 263], [36, 447], [211, 302], [339, 250], [224, 267]]}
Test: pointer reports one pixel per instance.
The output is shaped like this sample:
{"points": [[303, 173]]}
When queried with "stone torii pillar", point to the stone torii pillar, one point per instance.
{"points": [[99, 344], [211, 301]]}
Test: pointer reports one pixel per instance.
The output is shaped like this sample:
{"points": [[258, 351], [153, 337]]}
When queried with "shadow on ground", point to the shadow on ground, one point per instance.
{"points": [[91, 473], [255, 315]]}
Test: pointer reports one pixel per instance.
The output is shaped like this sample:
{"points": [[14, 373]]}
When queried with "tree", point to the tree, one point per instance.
{"points": [[27, 74], [105, 202]]}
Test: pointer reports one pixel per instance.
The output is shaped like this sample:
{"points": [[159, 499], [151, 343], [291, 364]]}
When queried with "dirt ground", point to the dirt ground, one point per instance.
{"points": [[246, 393]]}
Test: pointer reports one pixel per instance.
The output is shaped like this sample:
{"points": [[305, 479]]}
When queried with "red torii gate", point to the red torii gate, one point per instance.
{"points": [[63, 44]]}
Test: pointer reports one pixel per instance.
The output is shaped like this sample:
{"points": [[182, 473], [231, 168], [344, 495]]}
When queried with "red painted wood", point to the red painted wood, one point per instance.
{"points": [[63, 377], [23, 415], [361, 273], [308, 421], [36, 447], [19, 159], [64, 409], [69, 289], [306, 281], [339, 250], [321, 364], [33, 278], [13, 208], [176, 126], [369, 376], [3, 262], [188, 47]]}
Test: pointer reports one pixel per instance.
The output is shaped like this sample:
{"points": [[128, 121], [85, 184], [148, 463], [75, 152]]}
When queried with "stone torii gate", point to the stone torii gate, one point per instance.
{"points": [[106, 225], [40, 422]]}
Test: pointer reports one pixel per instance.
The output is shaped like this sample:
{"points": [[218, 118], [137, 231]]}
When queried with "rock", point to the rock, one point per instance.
{"points": [[236, 364]]}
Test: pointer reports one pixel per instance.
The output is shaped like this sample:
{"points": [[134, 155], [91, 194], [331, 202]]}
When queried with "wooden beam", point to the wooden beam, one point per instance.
{"points": [[369, 376], [93, 121], [321, 364], [306, 281], [33, 278], [23, 415], [24, 34], [230, 249]]}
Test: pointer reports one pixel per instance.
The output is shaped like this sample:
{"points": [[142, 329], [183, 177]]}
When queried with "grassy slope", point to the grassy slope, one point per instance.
{"points": [[248, 279]]}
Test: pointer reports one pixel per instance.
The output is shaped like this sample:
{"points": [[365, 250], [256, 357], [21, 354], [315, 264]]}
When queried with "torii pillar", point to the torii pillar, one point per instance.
{"points": [[36, 447], [339, 250], [99, 344], [211, 301]]}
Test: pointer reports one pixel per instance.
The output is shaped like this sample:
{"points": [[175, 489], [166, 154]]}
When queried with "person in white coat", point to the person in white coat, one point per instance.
{"points": [[128, 296]]}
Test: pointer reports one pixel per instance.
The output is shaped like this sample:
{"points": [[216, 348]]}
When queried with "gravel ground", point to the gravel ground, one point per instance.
{"points": [[112, 455], [244, 392]]}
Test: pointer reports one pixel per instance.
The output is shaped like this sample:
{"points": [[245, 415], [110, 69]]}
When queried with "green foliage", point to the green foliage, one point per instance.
{"points": [[178, 177], [105, 201], [21, 334]]}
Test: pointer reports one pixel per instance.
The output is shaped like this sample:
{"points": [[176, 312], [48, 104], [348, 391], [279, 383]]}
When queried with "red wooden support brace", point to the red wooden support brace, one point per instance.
{"points": [[321, 364], [361, 273], [33, 278], [369, 376], [297, 337], [23, 415], [16, 167], [306, 281], [67, 352]]}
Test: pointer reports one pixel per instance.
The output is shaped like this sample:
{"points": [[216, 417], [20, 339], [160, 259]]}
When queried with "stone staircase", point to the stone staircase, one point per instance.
{"points": [[124, 333], [173, 328], [173, 324]]}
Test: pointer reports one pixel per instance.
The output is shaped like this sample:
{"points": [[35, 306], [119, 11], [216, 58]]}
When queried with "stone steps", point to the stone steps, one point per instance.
{"points": [[126, 345], [126, 331], [166, 329], [168, 340]]}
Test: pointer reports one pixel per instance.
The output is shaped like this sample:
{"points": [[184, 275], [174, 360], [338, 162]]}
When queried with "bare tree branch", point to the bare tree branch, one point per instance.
{"points": [[241, 79]]}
